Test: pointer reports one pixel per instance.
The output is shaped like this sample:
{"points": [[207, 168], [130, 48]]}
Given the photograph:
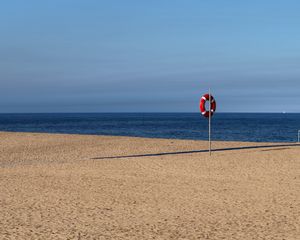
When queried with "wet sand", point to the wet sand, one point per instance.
{"points": [[102, 187]]}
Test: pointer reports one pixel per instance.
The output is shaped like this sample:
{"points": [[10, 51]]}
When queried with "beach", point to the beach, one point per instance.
{"points": [[59, 186]]}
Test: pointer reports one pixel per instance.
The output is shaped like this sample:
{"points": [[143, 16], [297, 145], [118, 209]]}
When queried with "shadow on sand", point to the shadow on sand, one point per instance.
{"points": [[269, 148]]}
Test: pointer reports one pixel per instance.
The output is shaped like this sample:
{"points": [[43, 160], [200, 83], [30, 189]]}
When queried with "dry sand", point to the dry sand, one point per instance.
{"points": [[61, 187]]}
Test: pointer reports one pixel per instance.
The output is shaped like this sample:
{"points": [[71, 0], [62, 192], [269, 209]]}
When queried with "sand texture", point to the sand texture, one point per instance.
{"points": [[64, 187]]}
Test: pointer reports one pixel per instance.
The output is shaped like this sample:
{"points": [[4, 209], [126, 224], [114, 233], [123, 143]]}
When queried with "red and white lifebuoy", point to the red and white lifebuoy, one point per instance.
{"points": [[213, 105]]}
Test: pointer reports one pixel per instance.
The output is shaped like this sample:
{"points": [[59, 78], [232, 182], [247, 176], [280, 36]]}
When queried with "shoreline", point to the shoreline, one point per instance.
{"points": [[128, 136]]}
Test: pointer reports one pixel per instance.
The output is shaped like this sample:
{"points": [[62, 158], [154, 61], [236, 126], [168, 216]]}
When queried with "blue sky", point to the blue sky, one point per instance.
{"points": [[149, 56]]}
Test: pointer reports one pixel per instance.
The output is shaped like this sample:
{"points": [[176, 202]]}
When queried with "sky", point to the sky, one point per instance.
{"points": [[149, 56]]}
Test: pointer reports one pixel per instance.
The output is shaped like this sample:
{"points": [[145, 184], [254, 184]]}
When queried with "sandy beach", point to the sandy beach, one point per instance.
{"points": [[103, 187]]}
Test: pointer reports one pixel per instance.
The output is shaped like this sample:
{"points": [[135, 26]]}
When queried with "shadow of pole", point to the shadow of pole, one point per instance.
{"points": [[199, 151]]}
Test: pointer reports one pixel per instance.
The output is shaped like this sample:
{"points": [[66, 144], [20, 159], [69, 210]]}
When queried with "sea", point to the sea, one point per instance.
{"points": [[253, 127]]}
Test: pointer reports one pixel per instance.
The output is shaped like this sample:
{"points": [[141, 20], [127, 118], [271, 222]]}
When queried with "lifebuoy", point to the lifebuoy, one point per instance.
{"points": [[213, 105]]}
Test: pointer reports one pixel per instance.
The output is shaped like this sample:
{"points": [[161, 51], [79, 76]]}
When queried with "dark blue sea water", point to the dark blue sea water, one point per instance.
{"points": [[225, 126]]}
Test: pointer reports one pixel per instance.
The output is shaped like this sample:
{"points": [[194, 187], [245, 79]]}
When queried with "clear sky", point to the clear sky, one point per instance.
{"points": [[149, 56]]}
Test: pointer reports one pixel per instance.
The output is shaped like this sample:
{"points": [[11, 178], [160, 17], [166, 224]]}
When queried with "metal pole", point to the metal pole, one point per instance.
{"points": [[298, 136], [209, 123]]}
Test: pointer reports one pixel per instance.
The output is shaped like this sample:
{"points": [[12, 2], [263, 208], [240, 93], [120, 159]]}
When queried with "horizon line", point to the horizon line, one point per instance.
{"points": [[132, 112]]}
